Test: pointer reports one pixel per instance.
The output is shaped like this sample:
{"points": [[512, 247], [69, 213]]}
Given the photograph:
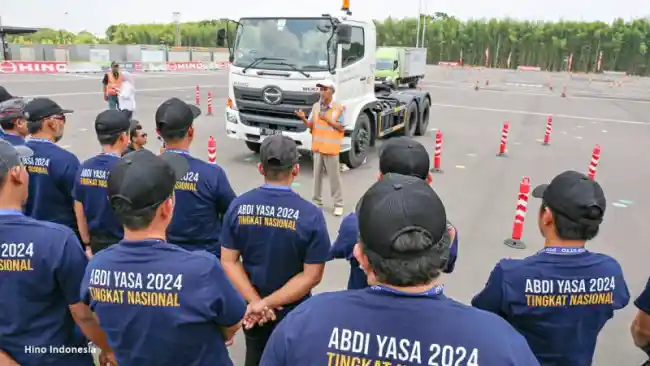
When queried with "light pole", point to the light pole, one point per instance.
{"points": [[177, 18]]}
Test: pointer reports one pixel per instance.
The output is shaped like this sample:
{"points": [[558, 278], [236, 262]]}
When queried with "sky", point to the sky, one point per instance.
{"points": [[95, 16]]}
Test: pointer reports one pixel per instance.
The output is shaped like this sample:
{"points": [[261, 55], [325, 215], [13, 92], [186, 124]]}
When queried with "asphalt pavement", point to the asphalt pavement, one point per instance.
{"points": [[479, 189]]}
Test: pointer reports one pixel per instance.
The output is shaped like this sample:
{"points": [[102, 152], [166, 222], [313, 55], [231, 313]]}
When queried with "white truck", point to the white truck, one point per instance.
{"points": [[276, 63], [401, 65]]}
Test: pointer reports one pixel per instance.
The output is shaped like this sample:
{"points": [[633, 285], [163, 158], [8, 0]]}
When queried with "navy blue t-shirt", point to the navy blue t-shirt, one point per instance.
{"points": [[160, 304], [202, 198], [559, 299], [90, 190], [41, 269], [374, 327], [643, 302], [277, 232], [13, 139], [343, 248], [52, 172]]}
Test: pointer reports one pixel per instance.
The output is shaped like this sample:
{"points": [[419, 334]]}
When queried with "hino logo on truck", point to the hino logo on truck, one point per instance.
{"points": [[272, 95]]}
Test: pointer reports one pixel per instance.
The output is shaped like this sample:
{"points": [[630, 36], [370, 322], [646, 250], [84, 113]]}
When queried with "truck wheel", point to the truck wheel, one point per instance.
{"points": [[410, 121], [424, 119], [360, 138], [254, 146], [413, 84]]}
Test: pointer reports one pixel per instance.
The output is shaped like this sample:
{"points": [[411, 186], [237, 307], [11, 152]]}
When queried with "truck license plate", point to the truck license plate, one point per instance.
{"points": [[269, 132]]}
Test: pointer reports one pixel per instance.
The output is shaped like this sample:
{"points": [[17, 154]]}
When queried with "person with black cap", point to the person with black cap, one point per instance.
{"points": [[401, 155], [403, 317], [41, 268], [98, 226], [282, 240], [52, 169], [641, 324], [204, 192], [182, 300], [13, 122], [561, 297]]}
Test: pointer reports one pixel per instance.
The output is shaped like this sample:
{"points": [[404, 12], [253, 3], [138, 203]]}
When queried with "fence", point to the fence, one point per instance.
{"points": [[46, 58]]}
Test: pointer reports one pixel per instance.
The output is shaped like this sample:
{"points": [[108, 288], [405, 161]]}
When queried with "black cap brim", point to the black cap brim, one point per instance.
{"points": [[538, 192], [66, 111], [196, 111], [178, 163]]}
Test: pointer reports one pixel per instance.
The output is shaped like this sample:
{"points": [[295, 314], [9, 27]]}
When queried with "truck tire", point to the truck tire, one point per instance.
{"points": [[253, 146], [413, 84], [360, 138], [410, 121], [423, 124]]}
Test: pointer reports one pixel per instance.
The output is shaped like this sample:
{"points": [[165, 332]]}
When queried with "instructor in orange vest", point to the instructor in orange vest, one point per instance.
{"points": [[112, 82], [327, 127]]}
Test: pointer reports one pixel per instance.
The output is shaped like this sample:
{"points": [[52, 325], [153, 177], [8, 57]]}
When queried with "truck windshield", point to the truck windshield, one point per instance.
{"points": [[384, 64], [298, 42]]}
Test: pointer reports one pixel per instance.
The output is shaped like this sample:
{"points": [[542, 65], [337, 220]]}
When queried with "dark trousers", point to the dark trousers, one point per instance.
{"points": [[256, 339], [100, 242]]}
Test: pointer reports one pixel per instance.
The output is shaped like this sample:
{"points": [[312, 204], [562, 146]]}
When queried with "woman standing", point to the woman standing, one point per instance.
{"points": [[126, 96]]}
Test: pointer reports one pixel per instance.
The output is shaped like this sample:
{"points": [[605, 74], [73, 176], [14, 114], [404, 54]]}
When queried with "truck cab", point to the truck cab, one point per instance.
{"points": [[276, 63]]}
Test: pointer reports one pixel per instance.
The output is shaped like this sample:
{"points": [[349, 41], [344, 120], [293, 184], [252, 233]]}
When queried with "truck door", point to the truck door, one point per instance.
{"points": [[353, 74]]}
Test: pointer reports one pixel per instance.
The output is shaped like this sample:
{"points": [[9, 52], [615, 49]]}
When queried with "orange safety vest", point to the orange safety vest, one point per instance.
{"points": [[113, 84], [325, 139]]}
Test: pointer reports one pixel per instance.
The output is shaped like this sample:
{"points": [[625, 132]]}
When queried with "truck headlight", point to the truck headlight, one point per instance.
{"points": [[231, 117]]}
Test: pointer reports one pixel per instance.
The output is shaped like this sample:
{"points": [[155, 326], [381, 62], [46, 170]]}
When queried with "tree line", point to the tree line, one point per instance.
{"points": [[509, 43]]}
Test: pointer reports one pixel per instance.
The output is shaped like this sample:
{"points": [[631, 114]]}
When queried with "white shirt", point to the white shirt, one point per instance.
{"points": [[126, 96]]}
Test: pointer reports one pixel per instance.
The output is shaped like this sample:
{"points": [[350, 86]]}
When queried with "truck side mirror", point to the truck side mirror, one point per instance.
{"points": [[395, 65], [221, 38], [343, 34]]}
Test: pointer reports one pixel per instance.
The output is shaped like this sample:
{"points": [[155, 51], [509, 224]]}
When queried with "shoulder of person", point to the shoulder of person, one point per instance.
{"points": [[68, 155], [54, 233]]}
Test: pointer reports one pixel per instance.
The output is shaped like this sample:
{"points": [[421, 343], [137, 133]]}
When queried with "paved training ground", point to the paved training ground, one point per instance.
{"points": [[479, 189]]}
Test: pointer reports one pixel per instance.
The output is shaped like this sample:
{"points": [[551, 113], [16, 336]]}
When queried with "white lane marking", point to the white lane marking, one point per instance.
{"points": [[531, 94], [220, 86], [514, 111]]}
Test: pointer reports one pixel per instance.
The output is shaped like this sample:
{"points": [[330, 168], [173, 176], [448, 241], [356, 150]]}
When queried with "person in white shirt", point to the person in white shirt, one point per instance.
{"points": [[126, 95]]}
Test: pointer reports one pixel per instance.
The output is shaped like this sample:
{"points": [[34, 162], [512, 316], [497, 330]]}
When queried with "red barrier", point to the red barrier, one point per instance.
{"points": [[520, 216], [185, 66], [547, 134], [212, 150], [503, 146], [209, 103], [529, 68], [33, 67], [595, 158], [437, 153]]}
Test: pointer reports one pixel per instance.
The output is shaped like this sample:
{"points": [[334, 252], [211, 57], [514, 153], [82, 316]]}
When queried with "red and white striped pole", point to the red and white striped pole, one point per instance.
{"points": [[520, 216], [437, 153], [198, 95], [547, 134], [212, 150], [595, 158], [209, 103], [503, 146]]}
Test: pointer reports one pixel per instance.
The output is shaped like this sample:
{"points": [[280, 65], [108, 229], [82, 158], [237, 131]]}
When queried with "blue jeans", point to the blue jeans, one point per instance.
{"points": [[112, 102]]}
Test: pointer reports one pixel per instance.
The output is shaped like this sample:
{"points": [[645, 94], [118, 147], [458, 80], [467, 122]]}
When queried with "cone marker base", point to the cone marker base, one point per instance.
{"points": [[514, 243]]}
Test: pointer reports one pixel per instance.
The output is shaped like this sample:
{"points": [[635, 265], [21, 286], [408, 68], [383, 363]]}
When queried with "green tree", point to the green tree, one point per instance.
{"points": [[624, 45]]}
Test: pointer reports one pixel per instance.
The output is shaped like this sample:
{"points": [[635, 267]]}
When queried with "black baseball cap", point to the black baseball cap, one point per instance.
{"points": [[41, 108], [279, 152], [112, 122], [143, 180], [4, 94], [10, 156], [398, 204], [403, 155], [174, 115], [574, 196]]}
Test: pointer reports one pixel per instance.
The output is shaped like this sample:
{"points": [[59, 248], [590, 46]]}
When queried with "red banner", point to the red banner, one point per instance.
{"points": [[33, 67], [448, 64]]}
